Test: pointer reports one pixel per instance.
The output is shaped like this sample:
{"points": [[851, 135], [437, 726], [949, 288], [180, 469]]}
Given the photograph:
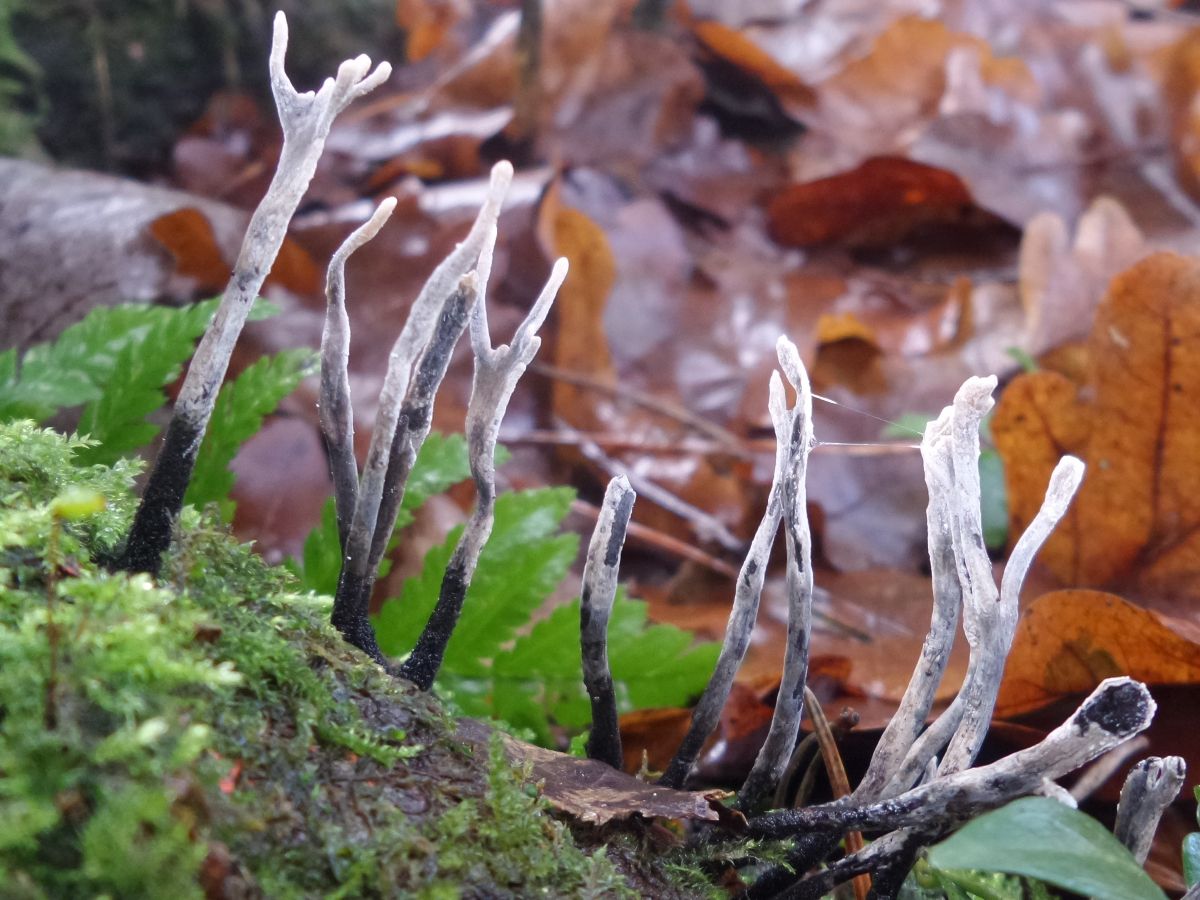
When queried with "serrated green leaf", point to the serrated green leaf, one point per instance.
{"points": [[74, 369], [1041, 838], [1191, 859], [441, 463], [321, 561], [237, 416], [541, 677], [523, 561], [134, 387]]}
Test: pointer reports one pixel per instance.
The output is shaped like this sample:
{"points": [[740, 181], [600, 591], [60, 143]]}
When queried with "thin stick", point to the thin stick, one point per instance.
{"points": [[496, 374], [706, 525], [772, 759], [723, 436], [837, 780], [335, 409], [595, 606], [1152, 786], [661, 541], [306, 120]]}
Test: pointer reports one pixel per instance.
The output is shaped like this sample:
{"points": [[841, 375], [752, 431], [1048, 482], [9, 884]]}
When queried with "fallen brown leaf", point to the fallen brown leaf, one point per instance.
{"points": [[879, 202], [1137, 515], [595, 793], [1067, 642]]}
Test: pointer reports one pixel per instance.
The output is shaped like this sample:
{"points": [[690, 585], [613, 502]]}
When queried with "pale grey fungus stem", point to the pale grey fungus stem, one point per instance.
{"points": [[306, 119], [987, 622], [1115, 711], [1193, 892], [956, 443], [773, 758], [1152, 786], [414, 336], [999, 619], [904, 727], [745, 601], [383, 472], [335, 409], [595, 607], [496, 374], [416, 413]]}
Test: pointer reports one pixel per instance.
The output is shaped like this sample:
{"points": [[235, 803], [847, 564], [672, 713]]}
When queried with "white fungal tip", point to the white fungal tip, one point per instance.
{"points": [[383, 71], [558, 273], [502, 172]]}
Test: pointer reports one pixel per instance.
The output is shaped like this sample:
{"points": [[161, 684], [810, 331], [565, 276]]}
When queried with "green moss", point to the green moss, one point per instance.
{"points": [[211, 730]]}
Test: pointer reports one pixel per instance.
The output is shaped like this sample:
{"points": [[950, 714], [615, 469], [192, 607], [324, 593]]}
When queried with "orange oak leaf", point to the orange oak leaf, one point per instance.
{"points": [[1136, 519], [1067, 642]]}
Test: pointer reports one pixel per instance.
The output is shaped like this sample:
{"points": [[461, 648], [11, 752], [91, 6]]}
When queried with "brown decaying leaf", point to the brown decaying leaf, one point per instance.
{"points": [[879, 202], [1183, 80], [594, 793], [580, 344], [1137, 515], [1067, 642], [735, 48], [188, 236]]}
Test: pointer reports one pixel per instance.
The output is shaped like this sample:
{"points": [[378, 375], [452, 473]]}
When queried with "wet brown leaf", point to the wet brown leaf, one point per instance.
{"points": [[595, 793], [1137, 515], [881, 201], [1067, 642]]}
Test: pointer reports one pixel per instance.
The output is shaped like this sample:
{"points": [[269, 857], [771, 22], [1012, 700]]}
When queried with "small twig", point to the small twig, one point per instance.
{"points": [[306, 119], [723, 436], [1114, 712], [595, 606], [745, 601], [838, 781], [1152, 785], [772, 759], [527, 105], [496, 374], [335, 409], [661, 541], [706, 525]]}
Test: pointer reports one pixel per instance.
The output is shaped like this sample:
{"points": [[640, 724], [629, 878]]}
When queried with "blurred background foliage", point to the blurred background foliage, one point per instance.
{"points": [[110, 84]]}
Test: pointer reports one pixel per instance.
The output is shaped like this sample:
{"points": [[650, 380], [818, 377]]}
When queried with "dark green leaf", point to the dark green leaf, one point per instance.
{"points": [[134, 387], [993, 500], [541, 678], [1042, 838], [75, 368], [524, 560], [441, 462], [1191, 858], [240, 409]]}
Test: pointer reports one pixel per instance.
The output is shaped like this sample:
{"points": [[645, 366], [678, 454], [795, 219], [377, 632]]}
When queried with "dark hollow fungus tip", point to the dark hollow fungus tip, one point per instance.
{"points": [[1120, 706]]}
